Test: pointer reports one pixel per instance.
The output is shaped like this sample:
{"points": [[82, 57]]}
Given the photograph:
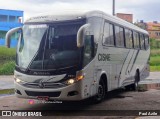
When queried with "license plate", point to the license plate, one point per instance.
{"points": [[46, 98]]}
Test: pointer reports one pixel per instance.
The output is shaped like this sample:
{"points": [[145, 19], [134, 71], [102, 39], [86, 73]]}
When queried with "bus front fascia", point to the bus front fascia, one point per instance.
{"points": [[9, 34]]}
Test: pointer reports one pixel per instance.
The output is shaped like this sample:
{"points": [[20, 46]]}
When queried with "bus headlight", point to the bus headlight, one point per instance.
{"points": [[19, 81], [70, 81]]}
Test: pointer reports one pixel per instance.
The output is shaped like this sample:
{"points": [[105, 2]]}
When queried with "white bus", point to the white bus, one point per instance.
{"points": [[77, 56]]}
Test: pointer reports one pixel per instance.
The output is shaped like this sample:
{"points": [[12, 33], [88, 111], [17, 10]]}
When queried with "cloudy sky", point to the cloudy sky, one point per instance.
{"points": [[148, 10]]}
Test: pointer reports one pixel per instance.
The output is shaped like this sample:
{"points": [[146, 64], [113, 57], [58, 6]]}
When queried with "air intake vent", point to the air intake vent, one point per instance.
{"points": [[50, 94]]}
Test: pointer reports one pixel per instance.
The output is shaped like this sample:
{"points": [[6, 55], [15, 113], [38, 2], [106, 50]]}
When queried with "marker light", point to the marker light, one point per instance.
{"points": [[80, 77], [70, 81]]}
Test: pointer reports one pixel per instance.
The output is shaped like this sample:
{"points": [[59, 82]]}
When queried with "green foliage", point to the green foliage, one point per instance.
{"points": [[155, 52], [155, 44], [7, 68], [7, 53], [154, 68], [155, 55], [7, 91], [155, 61], [7, 60]]}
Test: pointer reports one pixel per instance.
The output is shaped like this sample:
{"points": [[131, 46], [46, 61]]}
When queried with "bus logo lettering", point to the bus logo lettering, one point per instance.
{"points": [[104, 57]]}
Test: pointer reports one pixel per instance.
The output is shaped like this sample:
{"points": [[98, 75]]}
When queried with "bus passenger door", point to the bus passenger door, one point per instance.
{"points": [[88, 64]]}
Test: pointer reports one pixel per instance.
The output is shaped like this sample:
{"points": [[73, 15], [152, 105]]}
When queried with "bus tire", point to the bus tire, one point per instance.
{"points": [[134, 86], [101, 92], [137, 79]]}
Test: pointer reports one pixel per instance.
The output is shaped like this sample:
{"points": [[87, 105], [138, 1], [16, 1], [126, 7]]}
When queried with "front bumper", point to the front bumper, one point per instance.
{"points": [[53, 94]]}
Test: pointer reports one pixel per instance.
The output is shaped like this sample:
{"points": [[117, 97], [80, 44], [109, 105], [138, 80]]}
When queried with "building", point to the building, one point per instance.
{"points": [[9, 19], [127, 17], [154, 30]]}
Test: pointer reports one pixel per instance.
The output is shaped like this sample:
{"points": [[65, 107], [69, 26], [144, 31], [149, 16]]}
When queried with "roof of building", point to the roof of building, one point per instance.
{"points": [[153, 26], [11, 12], [124, 14]]}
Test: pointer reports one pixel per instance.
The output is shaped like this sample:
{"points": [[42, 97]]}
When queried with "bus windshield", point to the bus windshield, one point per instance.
{"points": [[49, 46]]}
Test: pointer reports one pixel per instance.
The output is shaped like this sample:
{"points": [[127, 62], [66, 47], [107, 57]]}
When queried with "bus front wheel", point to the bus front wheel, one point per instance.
{"points": [[101, 92]]}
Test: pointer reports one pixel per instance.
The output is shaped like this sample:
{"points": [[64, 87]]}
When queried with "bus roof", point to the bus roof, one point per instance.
{"points": [[66, 16]]}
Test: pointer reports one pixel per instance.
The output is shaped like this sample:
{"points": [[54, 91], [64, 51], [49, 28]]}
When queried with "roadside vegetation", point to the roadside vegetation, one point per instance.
{"points": [[6, 91], [7, 60], [155, 55]]}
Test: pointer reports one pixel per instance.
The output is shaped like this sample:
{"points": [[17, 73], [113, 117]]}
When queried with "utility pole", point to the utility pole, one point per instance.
{"points": [[113, 9]]}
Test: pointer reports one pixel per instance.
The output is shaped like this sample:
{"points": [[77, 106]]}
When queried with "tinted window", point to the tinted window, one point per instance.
{"points": [[136, 40], [95, 28], [108, 35], [146, 41], [88, 50], [142, 41], [129, 39], [119, 36]]}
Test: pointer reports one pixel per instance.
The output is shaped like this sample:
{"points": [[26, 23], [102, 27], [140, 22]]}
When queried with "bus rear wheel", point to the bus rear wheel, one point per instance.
{"points": [[134, 86], [137, 79]]}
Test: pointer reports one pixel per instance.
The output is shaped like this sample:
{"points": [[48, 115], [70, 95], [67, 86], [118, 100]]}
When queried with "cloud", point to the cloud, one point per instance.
{"points": [[142, 9]]}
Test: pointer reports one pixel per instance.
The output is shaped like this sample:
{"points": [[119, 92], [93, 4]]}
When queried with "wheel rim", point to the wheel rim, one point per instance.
{"points": [[100, 94]]}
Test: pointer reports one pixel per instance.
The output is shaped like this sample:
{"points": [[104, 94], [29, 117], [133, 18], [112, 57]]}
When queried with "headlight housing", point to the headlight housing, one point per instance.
{"points": [[71, 81], [17, 80], [79, 76]]}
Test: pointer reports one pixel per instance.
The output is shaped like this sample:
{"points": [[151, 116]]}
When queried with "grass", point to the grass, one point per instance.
{"points": [[155, 52], [7, 53], [7, 91], [155, 44], [154, 68], [155, 55], [7, 68], [7, 60], [155, 61]]}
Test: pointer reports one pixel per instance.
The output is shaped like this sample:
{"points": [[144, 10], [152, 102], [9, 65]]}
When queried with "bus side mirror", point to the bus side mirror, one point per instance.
{"points": [[9, 34], [80, 35]]}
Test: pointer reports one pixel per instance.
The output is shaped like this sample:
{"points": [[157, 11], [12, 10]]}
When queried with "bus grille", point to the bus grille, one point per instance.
{"points": [[50, 94], [45, 85]]}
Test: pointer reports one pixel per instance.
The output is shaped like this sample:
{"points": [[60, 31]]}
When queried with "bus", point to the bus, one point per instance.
{"points": [[77, 56]]}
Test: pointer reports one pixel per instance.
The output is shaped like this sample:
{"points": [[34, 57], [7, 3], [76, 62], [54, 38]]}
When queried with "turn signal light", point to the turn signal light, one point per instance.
{"points": [[80, 77]]}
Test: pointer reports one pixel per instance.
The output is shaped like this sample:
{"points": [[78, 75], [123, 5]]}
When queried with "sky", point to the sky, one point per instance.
{"points": [[147, 10]]}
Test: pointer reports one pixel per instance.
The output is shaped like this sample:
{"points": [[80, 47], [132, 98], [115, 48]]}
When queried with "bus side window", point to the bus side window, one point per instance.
{"points": [[146, 42], [129, 39], [108, 35], [136, 40], [142, 41], [119, 34], [88, 49]]}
